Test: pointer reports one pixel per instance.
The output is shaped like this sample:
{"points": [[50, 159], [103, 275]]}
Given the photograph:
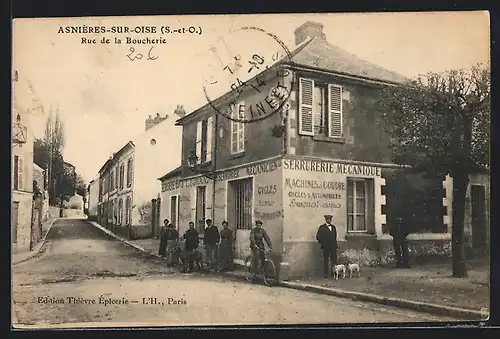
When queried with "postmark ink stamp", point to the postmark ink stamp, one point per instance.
{"points": [[248, 66]]}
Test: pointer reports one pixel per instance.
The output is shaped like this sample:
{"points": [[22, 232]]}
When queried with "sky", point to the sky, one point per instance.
{"points": [[103, 97]]}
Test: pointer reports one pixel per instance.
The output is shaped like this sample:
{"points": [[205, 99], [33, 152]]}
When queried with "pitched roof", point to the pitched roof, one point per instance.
{"points": [[176, 171], [320, 54], [317, 53]]}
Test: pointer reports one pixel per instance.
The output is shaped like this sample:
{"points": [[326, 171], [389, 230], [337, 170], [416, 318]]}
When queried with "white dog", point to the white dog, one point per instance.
{"points": [[353, 268], [339, 271]]}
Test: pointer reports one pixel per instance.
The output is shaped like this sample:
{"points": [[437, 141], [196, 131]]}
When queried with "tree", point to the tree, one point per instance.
{"points": [[63, 179], [439, 124]]}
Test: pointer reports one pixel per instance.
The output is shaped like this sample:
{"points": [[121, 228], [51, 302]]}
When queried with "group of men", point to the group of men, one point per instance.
{"points": [[218, 246]]}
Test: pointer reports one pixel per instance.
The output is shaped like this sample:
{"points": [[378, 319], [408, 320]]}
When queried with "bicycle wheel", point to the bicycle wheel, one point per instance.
{"points": [[249, 268], [270, 274]]}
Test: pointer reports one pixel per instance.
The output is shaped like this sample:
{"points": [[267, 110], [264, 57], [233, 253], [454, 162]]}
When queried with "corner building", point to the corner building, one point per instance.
{"points": [[331, 157]]}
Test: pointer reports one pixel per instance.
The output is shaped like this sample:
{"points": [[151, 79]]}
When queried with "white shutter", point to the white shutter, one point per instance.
{"points": [[334, 111], [198, 140], [20, 175], [306, 87], [209, 139]]}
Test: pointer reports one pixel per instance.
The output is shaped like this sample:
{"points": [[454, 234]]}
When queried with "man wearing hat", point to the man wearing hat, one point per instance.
{"points": [[257, 237], [327, 238]]}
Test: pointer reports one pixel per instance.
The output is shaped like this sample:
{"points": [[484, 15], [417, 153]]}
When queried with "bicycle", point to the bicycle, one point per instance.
{"points": [[270, 274]]}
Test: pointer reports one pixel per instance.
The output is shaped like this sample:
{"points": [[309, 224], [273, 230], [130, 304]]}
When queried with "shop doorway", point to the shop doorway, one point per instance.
{"points": [[239, 214], [478, 200]]}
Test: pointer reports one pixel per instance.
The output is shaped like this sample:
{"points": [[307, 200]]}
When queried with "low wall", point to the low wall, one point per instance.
{"points": [[305, 258], [134, 232]]}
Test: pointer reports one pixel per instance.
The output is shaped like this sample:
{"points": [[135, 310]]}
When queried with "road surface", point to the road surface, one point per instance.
{"points": [[85, 277]]}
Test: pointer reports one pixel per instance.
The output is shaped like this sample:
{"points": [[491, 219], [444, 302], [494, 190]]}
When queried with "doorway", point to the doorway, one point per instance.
{"points": [[478, 200], [239, 214]]}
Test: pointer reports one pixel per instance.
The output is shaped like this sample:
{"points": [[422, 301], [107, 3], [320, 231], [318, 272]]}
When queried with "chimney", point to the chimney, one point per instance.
{"points": [[309, 29], [180, 111]]}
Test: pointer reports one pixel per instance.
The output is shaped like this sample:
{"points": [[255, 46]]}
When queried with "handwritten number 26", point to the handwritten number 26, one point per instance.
{"points": [[137, 56]]}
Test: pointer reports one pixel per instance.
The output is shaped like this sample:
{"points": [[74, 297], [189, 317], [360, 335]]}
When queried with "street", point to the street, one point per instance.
{"points": [[83, 276]]}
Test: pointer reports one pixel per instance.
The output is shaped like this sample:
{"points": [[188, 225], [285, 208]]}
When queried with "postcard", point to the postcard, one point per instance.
{"points": [[264, 169]]}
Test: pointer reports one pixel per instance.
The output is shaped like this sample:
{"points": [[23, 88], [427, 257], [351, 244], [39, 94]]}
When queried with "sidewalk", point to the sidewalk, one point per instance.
{"points": [[23, 256], [427, 288]]}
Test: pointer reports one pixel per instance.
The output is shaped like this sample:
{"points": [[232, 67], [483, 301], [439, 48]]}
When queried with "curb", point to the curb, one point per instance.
{"points": [[38, 247], [448, 311], [440, 310], [123, 240]]}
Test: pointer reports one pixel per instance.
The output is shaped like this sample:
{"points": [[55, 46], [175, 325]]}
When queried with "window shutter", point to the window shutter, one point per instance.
{"points": [[21, 173], [131, 167], [334, 111], [199, 129], [306, 87], [209, 139]]}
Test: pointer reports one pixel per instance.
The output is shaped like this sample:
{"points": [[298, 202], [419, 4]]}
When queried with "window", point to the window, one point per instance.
{"points": [[237, 129], [15, 218], [112, 183], [122, 175], [320, 109], [128, 210], [204, 130], [200, 208], [120, 211], [110, 211], [357, 206], [174, 208], [241, 203], [116, 178], [16, 172], [129, 172]]}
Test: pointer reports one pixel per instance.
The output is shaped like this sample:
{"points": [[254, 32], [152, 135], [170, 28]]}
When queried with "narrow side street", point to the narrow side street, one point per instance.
{"points": [[82, 276]]}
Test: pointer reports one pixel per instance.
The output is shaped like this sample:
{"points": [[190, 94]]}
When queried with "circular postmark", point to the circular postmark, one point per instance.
{"points": [[245, 78]]}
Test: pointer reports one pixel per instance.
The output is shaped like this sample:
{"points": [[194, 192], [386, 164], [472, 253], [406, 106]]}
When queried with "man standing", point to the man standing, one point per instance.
{"points": [[172, 242], [399, 234], [327, 238], [211, 240], [162, 250], [192, 240], [226, 247]]}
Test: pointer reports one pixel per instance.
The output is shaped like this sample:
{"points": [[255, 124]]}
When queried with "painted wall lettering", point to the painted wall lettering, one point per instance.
{"points": [[267, 190], [291, 183], [331, 167], [313, 204], [264, 167], [268, 215], [265, 203]]}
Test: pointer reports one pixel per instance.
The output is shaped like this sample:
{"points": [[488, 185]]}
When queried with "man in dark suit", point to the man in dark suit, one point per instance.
{"points": [[192, 240], [327, 238], [399, 232]]}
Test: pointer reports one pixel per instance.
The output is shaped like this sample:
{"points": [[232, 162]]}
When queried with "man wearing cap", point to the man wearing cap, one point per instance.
{"points": [[327, 238], [211, 240], [257, 237]]}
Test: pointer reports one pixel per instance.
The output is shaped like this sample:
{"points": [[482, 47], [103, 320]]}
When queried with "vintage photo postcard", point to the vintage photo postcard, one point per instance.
{"points": [[250, 169]]}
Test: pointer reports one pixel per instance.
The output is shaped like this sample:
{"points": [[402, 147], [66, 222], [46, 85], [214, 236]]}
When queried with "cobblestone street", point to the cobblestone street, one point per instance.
{"points": [[82, 276]]}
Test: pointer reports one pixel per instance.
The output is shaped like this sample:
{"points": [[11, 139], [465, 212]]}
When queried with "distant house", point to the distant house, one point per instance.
{"points": [[93, 199], [128, 180], [22, 173], [42, 194]]}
